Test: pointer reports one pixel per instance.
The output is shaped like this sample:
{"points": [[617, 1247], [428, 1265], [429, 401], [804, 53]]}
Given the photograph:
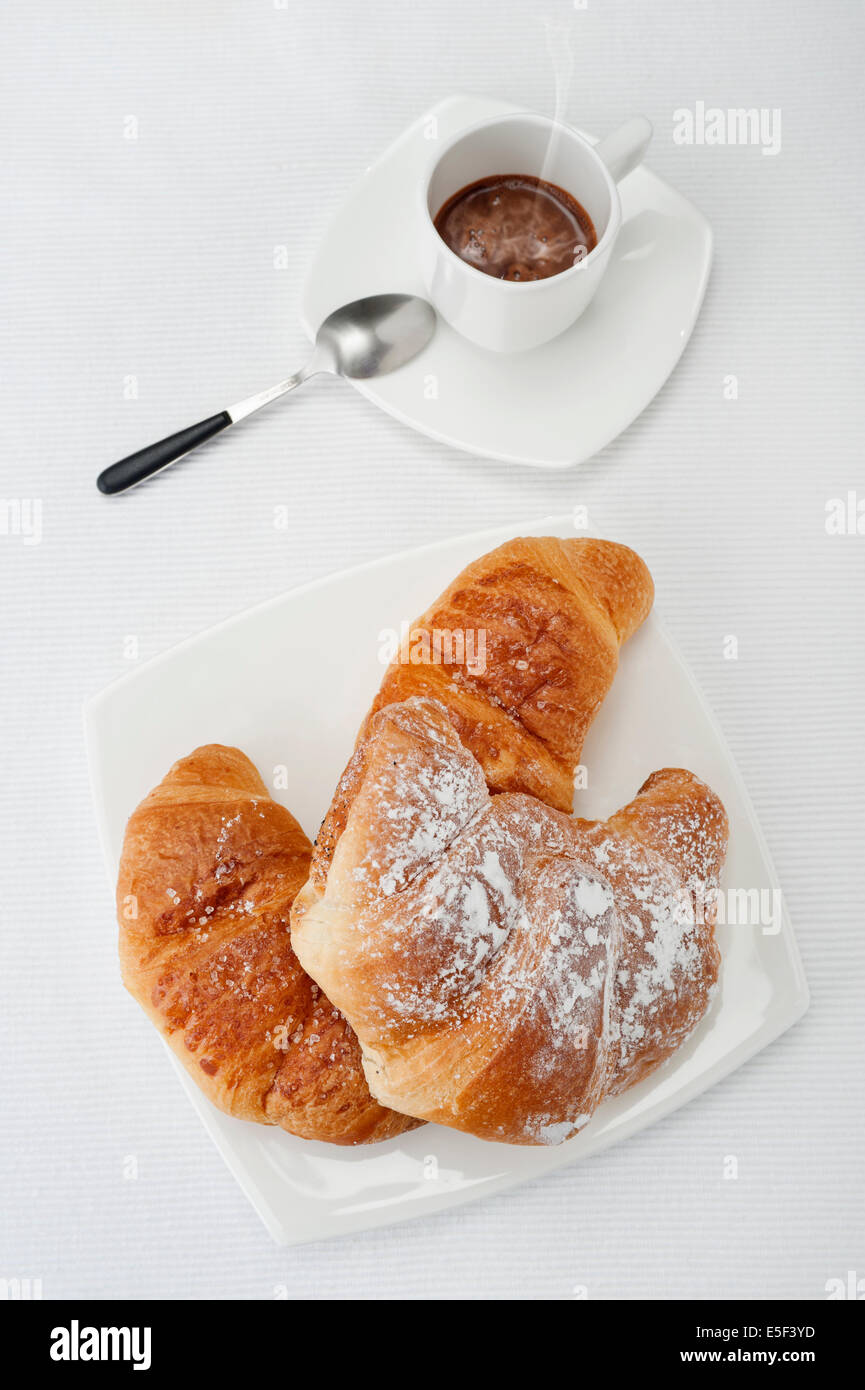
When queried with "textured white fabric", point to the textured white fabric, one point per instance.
{"points": [[153, 259]]}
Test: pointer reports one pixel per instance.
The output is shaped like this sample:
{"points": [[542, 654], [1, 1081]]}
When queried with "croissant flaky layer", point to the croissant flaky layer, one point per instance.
{"points": [[209, 870], [527, 648], [505, 965]]}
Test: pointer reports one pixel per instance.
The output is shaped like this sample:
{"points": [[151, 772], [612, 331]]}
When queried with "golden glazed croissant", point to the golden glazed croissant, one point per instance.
{"points": [[528, 646], [209, 870], [506, 966]]}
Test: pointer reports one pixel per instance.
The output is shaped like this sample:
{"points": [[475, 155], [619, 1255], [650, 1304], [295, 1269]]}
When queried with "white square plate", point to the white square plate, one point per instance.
{"points": [[289, 682], [562, 402]]}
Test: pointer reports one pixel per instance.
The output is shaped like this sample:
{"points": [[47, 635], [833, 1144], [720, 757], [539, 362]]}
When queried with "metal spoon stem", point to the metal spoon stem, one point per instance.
{"points": [[253, 403]]}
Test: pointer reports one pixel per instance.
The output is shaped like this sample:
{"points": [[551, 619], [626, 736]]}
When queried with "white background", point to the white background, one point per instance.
{"points": [[154, 258]]}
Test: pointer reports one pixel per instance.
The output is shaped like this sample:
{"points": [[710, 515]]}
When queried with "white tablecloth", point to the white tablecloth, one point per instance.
{"points": [[154, 155]]}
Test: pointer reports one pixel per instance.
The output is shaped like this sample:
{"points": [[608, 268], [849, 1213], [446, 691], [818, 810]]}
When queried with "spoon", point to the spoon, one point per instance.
{"points": [[361, 340]]}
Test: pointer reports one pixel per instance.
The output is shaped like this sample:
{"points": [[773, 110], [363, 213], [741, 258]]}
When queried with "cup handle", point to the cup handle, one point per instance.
{"points": [[624, 149]]}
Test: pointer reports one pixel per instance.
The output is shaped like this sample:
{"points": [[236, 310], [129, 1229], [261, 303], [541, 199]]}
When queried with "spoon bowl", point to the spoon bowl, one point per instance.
{"points": [[370, 337]]}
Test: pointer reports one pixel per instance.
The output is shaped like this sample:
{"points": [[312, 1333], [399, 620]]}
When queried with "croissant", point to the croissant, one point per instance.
{"points": [[209, 870], [522, 648], [504, 965]]}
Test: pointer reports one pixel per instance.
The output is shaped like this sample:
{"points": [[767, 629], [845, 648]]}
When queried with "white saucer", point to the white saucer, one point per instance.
{"points": [[247, 682], [561, 403]]}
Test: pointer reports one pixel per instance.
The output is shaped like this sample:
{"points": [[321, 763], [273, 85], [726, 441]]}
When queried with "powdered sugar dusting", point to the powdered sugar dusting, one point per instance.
{"points": [[547, 960]]}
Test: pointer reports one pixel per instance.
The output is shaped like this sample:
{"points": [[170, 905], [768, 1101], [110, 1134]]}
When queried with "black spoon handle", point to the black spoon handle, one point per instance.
{"points": [[155, 457]]}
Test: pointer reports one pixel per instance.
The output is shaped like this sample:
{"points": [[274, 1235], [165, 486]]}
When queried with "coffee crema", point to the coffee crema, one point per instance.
{"points": [[516, 227]]}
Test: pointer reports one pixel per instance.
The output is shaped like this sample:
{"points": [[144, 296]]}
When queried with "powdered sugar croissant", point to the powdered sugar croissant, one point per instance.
{"points": [[504, 965], [209, 870]]}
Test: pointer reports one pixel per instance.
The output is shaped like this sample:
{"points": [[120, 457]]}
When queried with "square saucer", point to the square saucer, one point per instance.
{"points": [[266, 682], [559, 404]]}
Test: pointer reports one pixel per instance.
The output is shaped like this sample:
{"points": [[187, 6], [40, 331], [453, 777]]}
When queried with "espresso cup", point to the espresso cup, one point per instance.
{"points": [[508, 315]]}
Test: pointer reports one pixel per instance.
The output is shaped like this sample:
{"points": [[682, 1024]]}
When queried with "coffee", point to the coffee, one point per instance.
{"points": [[516, 227]]}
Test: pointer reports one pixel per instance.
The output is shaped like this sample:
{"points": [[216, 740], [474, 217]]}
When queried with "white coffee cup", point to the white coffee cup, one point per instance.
{"points": [[508, 315]]}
